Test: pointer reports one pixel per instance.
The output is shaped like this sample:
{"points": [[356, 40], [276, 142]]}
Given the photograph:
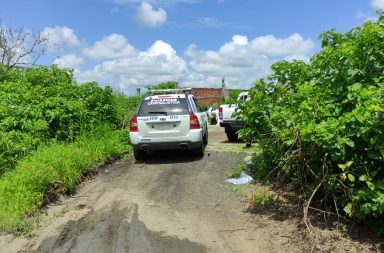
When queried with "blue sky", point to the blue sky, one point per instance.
{"points": [[133, 43]]}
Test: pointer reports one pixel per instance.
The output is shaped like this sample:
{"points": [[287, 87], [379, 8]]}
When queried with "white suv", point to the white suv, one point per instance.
{"points": [[168, 121]]}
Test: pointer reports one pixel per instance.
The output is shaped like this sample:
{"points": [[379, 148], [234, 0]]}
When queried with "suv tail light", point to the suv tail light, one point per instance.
{"points": [[220, 112], [133, 126], [194, 122]]}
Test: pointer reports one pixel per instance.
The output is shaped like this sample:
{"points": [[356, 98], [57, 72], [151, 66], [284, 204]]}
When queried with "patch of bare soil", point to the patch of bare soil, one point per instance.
{"points": [[329, 232], [174, 202]]}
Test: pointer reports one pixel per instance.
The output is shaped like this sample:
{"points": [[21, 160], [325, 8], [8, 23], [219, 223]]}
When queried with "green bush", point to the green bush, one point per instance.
{"points": [[125, 108], [52, 170], [46, 104], [52, 132], [322, 123]]}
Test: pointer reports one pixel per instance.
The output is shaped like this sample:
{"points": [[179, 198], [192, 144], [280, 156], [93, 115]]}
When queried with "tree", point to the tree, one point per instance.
{"points": [[20, 47], [163, 86]]}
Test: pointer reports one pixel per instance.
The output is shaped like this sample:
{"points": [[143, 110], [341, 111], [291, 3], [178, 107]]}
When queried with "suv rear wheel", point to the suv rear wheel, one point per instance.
{"points": [[205, 138], [231, 134], [200, 150]]}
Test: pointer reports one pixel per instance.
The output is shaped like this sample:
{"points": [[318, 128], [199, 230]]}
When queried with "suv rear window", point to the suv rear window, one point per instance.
{"points": [[164, 106]]}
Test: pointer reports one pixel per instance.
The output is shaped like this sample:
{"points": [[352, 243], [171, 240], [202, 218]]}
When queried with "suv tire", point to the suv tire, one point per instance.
{"points": [[205, 138], [139, 154], [231, 134], [200, 150]]}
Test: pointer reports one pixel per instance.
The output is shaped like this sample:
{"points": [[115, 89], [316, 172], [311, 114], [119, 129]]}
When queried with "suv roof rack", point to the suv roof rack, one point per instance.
{"points": [[176, 91]]}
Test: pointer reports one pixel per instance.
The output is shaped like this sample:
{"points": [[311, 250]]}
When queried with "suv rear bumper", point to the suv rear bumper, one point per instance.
{"points": [[183, 145], [232, 124], [193, 140]]}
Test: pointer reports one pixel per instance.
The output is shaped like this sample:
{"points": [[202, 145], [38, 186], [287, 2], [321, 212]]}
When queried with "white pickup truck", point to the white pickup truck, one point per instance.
{"points": [[227, 120]]}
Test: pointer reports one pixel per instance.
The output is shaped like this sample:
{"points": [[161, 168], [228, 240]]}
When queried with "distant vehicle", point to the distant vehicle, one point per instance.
{"points": [[227, 120], [168, 119]]}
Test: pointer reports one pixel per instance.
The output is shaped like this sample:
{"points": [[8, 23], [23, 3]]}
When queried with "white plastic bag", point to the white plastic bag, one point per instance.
{"points": [[243, 179]]}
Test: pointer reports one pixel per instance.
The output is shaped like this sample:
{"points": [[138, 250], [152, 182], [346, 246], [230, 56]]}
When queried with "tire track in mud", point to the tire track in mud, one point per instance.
{"points": [[115, 229]]}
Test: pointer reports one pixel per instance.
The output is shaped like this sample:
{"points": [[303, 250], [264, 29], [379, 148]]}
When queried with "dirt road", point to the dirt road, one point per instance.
{"points": [[173, 202]]}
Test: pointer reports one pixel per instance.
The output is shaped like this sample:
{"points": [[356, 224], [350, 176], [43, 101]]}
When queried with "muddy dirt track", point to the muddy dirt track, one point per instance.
{"points": [[174, 202]]}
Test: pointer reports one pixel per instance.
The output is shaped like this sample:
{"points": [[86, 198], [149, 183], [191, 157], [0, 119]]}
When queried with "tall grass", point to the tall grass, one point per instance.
{"points": [[52, 170]]}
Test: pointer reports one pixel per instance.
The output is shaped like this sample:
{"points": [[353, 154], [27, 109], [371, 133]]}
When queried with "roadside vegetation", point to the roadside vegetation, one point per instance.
{"points": [[42, 105], [320, 125], [53, 132], [232, 97], [51, 170]]}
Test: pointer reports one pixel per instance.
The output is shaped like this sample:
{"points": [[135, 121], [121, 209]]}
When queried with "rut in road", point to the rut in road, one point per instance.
{"points": [[115, 229]]}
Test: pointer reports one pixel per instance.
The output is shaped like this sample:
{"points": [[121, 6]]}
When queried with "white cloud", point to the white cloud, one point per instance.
{"points": [[161, 48], [242, 61], [61, 36], [240, 40], [270, 45], [110, 47], [157, 64], [98, 75], [379, 4], [69, 61], [147, 17], [237, 66]]}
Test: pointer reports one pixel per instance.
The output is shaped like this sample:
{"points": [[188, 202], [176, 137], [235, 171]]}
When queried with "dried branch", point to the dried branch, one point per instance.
{"points": [[306, 220], [20, 47]]}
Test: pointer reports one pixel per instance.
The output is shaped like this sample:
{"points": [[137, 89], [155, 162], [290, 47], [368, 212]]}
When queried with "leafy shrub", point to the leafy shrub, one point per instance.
{"points": [[321, 124], [52, 132], [46, 104], [262, 200], [125, 108], [163, 86]]}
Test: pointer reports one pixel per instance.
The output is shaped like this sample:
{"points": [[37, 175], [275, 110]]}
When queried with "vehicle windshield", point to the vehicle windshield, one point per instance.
{"points": [[164, 106]]}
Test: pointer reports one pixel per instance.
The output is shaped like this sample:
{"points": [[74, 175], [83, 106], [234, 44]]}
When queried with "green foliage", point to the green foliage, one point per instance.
{"points": [[261, 163], [52, 170], [203, 108], [163, 86], [215, 106], [125, 108], [322, 122], [233, 97], [234, 188], [46, 104], [52, 132], [236, 171], [262, 198]]}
